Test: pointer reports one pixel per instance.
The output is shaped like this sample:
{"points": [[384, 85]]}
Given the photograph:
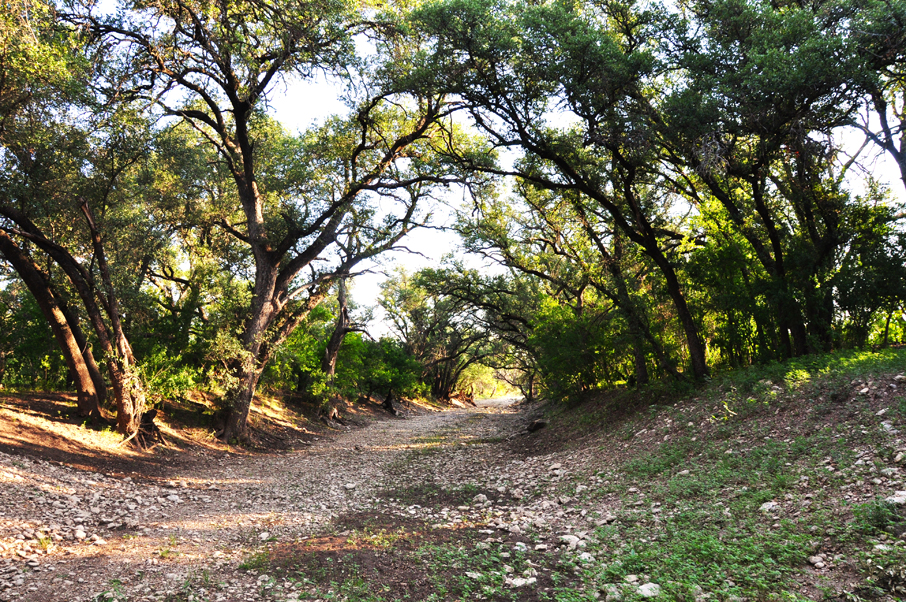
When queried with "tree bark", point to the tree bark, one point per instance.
{"points": [[88, 395], [342, 328], [129, 392], [95, 372]]}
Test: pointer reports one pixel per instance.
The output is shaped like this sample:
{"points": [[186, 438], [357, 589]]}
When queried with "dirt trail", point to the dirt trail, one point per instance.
{"points": [[68, 535]]}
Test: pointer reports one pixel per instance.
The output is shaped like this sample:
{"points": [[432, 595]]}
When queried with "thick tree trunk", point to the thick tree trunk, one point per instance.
{"points": [[99, 384], [820, 308], [248, 367], [88, 395], [640, 363], [129, 394], [236, 427]]}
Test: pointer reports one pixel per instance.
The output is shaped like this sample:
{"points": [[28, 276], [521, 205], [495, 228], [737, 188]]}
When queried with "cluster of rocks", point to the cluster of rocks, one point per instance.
{"points": [[614, 592]]}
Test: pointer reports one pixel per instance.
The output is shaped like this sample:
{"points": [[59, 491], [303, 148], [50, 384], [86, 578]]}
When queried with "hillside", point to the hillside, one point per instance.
{"points": [[778, 483]]}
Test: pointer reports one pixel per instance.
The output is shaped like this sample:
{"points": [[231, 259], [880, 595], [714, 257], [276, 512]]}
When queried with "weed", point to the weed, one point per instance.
{"points": [[380, 539], [660, 461], [900, 405], [886, 568], [115, 592], [254, 562], [45, 542], [877, 516]]}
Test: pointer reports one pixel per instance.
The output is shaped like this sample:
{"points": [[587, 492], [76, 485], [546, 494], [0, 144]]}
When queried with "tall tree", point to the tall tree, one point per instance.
{"points": [[518, 65], [213, 65], [57, 167], [36, 61], [761, 82], [878, 29]]}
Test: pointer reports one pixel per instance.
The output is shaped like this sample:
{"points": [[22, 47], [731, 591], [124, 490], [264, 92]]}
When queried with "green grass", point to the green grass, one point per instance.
{"points": [[829, 373], [475, 571], [703, 530]]}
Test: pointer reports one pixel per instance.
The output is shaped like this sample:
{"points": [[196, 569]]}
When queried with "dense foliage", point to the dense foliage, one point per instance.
{"points": [[658, 191]]}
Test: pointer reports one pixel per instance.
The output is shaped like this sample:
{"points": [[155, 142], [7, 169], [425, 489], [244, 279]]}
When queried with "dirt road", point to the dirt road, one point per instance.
{"points": [[211, 533]]}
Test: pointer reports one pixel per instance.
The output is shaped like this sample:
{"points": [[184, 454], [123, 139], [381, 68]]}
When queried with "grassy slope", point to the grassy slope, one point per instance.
{"points": [[817, 437]]}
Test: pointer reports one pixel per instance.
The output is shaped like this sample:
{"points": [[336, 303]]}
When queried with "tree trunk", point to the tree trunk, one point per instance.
{"points": [[88, 395], [128, 389], [329, 363], [690, 328], [95, 372], [236, 427], [388, 402], [248, 367], [640, 362]]}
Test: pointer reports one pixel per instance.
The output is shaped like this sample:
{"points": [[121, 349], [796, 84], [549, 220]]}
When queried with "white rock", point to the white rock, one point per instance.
{"points": [[174, 498], [586, 557], [571, 540], [473, 575], [264, 535], [480, 498], [649, 590], [864, 391], [769, 506], [349, 486], [612, 592], [899, 457], [631, 578], [557, 466], [521, 581], [898, 498], [881, 412]]}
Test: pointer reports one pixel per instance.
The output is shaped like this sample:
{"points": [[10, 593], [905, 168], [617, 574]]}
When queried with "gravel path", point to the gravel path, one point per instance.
{"points": [[71, 535]]}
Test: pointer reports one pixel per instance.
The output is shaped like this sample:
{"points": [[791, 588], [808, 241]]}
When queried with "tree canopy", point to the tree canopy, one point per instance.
{"points": [[655, 191]]}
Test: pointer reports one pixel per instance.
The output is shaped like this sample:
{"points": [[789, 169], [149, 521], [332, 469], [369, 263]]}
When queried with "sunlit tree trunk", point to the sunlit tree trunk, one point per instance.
{"points": [[88, 395]]}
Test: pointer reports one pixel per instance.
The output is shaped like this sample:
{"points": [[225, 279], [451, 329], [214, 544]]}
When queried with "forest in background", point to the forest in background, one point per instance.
{"points": [[666, 191]]}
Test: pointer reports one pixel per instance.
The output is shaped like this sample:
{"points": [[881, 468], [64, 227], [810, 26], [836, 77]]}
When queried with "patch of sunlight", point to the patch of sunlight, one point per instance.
{"points": [[797, 377]]}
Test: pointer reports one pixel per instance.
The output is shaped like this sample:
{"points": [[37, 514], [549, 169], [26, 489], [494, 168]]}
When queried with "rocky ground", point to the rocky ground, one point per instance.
{"points": [[550, 514], [69, 534]]}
